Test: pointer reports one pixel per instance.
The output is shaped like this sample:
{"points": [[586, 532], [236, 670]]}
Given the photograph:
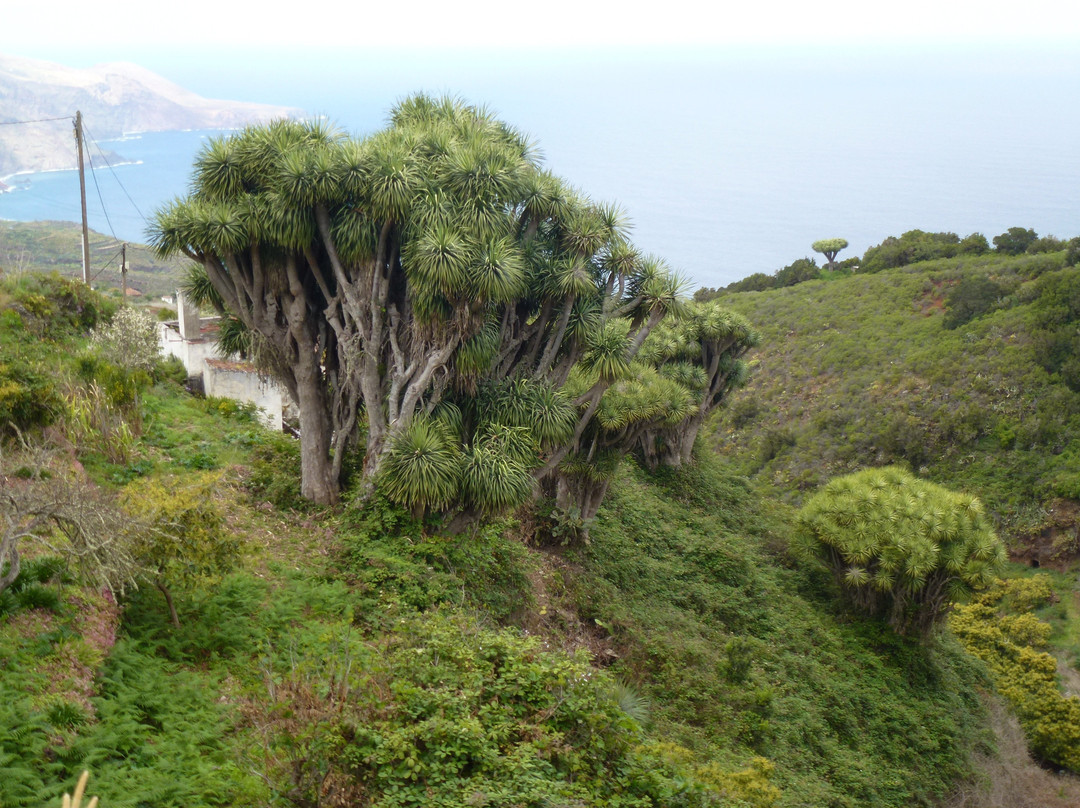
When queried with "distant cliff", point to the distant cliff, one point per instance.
{"points": [[114, 98]]}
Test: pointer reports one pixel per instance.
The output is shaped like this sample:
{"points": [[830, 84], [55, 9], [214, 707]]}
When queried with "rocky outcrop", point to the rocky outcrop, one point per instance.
{"points": [[115, 98]]}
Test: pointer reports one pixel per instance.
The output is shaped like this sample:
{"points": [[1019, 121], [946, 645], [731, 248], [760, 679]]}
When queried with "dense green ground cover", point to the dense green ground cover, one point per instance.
{"points": [[358, 657], [740, 653]]}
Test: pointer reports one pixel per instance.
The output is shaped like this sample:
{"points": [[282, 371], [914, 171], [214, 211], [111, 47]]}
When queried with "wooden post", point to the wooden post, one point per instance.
{"points": [[123, 271], [82, 198]]}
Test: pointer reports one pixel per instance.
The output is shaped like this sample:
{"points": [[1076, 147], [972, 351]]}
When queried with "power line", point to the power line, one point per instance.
{"points": [[115, 175], [97, 187], [106, 264], [37, 120]]}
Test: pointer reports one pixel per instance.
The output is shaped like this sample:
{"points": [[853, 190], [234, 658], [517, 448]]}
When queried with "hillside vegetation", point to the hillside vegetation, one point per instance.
{"points": [[959, 368], [358, 656], [46, 247]]}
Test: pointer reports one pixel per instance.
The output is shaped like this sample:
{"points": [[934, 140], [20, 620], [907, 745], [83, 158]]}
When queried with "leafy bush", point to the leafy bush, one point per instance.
{"points": [[975, 244], [757, 282], [275, 473], [915, 246], [54, 307], [396, 564], [799, 271], [743, 410], [1011, 646], [36, 596], [1015, 241], [1057, 310], [28, 397], [972, 297], [129, 340], [1045, 244], [773, 442], [899, 547], [903, 437], [468, 716], [850, 713], [183, 534], [172, 370], [28, 590], [1072, 252]]}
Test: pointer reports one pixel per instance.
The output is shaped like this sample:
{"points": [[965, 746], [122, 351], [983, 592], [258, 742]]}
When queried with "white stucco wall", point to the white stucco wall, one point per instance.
{"points": [[191, 353], [192, 344], [225, 380]]}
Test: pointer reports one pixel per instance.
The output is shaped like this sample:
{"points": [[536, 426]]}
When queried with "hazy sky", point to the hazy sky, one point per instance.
{"points": [[44, 28]]}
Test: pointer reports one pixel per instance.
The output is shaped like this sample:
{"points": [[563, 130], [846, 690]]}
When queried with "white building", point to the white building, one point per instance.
{"points": [[193, 340]]}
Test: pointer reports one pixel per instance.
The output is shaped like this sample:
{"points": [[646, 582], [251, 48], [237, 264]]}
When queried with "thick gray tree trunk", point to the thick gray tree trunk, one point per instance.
{"points": [[318, 482]]}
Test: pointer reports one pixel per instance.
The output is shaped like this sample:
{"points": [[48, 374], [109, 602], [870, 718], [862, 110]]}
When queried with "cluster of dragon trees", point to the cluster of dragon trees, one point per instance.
{"points": [[434, 298]]}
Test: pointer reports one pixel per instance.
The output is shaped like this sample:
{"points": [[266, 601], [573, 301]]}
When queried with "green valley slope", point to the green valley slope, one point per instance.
{"points": [[45, 247], [860, 371]]}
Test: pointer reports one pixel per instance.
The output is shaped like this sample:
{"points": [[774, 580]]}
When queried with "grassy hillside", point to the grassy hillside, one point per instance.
{"points": [[57, 247], [862, 370], [358, 657]]}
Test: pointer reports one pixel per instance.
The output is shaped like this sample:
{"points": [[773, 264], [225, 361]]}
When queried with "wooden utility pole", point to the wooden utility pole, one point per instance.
{"points": [[123, 271], [82, 198]]}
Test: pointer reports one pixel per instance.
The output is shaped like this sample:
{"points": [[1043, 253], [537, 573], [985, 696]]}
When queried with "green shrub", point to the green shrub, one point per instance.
{"points": [[275, 473], [773, 442], [904, 437], [1045, 244], [58, 307], [1015, 241], [129, 339], [975, 244], [183, 536], [36, 596], [743, 411], [1072, 252], [973, 297], [1011, 646], [915, 246], [398, 564], [41, 570], [757, 282], [1027, 594], [468, 716], [65, 715], [679, 566], [171, 370], [800, 271], [28, 398]]}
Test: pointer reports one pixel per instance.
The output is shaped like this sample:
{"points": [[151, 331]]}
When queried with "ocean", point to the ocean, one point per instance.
{"points": [[726, 163]]}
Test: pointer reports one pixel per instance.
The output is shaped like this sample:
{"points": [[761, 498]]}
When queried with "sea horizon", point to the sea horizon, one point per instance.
{"points": [[727, 163]]}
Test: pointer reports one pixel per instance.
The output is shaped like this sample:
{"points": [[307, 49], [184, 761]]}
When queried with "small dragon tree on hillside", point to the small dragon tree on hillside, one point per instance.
{"points": [[657, 405], [899, 547], [829, 247], [702, 354]]}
